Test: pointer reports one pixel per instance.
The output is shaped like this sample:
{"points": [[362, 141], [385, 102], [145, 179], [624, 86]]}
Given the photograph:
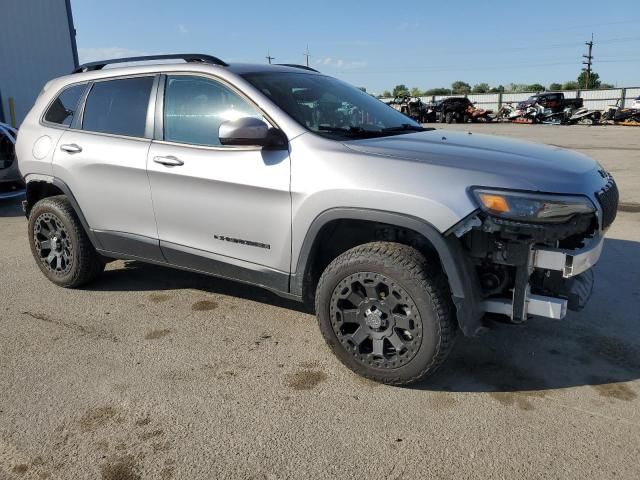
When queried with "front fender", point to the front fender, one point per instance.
{"points": [[462, 280]]}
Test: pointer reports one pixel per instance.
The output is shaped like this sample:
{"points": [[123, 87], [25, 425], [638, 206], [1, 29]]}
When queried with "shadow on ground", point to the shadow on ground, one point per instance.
{"points": [[139, 276], [598, 346]]}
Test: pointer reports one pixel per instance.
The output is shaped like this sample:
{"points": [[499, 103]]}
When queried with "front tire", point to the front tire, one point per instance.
{"points": [[386, 312], [59, 244]]}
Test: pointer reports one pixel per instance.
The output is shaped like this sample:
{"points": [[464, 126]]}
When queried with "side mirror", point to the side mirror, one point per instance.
{"points": [[251, 131]]}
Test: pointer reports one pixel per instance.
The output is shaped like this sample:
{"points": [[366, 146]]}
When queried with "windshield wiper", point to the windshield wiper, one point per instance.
{"points": [[406, 127], [352, 131]]}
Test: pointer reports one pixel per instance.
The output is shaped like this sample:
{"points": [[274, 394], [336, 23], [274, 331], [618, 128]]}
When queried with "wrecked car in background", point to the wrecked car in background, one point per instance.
{"points": [[555, 101], [474, 114], [448, 110], [412, 107]]}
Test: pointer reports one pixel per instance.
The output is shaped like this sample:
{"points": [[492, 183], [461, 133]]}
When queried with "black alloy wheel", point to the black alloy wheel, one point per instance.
{"points": [[52, 242], [376, 320]]}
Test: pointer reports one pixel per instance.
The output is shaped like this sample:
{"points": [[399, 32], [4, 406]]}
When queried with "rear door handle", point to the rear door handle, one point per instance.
{"points": [[71, 148], [169, 161]]}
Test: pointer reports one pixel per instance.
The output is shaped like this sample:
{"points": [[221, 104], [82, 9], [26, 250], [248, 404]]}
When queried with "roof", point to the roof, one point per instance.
{"points": [[192, 58], [223, 70]]}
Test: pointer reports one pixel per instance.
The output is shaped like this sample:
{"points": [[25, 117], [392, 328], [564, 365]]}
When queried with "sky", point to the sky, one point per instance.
{"points": [[379, 44]]}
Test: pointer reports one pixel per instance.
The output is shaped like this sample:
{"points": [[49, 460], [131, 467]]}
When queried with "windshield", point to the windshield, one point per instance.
{"points": [[331, 108]]}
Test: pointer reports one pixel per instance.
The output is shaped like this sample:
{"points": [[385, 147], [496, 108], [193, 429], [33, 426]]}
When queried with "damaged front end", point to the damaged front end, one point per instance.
{"points": [[533, 253]]}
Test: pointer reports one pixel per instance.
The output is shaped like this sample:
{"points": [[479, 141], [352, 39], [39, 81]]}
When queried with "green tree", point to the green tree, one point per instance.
{"points": [[400, 91], [535, 87], [438, 91], [554, 87], [416, 92], [594, 80], [481, 88], [570, 85], [607, 85], [386, 94], [525, 87], [459, 87], [517, 87], [498, 89]]}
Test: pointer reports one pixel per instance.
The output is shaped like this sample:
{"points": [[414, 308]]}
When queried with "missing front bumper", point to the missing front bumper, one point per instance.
{"points": [[570, 290]]}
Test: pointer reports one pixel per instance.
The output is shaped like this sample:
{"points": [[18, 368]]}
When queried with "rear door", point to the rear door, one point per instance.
{"points": [[221, 209], [102, 158]]}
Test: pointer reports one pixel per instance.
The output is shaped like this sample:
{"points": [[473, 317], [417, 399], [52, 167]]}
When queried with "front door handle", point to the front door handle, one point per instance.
{"points": [[169, 161], [71, 148]]}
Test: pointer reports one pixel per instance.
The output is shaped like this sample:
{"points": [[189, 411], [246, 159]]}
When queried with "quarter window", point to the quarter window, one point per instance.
{"points": [[195, 107], [64, 107], [118, 106]]}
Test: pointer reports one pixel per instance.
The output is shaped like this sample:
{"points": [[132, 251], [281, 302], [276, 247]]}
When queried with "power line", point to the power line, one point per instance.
{"points": [[483, 67], [600, 25]]}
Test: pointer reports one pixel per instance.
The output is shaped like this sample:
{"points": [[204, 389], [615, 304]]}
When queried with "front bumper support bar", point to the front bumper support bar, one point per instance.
{"points": [[538, 305], [569, 262]]}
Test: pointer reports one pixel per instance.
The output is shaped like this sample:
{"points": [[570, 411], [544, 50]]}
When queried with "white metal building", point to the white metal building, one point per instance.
{"points": [[37, 43]]}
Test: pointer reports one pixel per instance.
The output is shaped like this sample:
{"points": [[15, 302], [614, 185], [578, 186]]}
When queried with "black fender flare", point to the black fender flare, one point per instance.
{"points": [[64, 188], [465, 290]]}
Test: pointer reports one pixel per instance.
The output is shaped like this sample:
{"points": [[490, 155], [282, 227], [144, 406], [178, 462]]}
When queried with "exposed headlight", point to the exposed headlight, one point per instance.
{"points": [[531, 207]]}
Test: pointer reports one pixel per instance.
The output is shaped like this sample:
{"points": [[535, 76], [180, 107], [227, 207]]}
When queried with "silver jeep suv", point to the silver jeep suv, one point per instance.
{"points": [[279, 176]]}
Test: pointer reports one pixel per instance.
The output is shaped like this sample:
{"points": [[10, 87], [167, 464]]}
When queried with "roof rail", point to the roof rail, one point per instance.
{"points": [[187, 57], [295, 65]]}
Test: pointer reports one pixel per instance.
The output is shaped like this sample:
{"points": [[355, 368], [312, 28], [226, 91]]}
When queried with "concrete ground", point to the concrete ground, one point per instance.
{"points": [[160, 374]]}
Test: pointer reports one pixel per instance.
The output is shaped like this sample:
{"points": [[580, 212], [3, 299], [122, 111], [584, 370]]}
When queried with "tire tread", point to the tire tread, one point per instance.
{"points": [[89, 264], [428, 276]]}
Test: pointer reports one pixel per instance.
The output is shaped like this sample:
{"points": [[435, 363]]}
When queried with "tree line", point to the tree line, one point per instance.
{"points": [[462, 88]]}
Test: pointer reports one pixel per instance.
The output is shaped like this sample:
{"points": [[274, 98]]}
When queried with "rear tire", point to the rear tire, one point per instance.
{"points": [[449, 117], [59, 244], [386, 312]]}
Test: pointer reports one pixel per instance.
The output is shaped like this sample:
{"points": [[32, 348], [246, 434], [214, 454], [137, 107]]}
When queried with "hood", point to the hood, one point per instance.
{"points": [[523, 164]]}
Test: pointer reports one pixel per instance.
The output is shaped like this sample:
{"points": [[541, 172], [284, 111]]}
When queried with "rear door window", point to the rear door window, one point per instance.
{"points": [[64, 106], [118, 106]]}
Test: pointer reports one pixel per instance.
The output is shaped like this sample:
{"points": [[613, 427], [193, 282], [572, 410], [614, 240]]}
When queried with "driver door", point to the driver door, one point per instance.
{"points": [[220, 209]]}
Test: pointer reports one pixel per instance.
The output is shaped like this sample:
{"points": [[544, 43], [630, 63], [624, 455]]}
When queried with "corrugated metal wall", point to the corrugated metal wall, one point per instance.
{"points": [[35, 46], [593, 99]]}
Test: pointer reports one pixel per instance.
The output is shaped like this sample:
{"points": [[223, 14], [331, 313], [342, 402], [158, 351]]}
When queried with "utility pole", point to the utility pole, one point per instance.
{"points": [[269, 57], [588, 62], [307, 55]]}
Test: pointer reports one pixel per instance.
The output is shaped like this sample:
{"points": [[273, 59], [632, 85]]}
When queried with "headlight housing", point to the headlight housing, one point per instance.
{"points": [[531, 207]]}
